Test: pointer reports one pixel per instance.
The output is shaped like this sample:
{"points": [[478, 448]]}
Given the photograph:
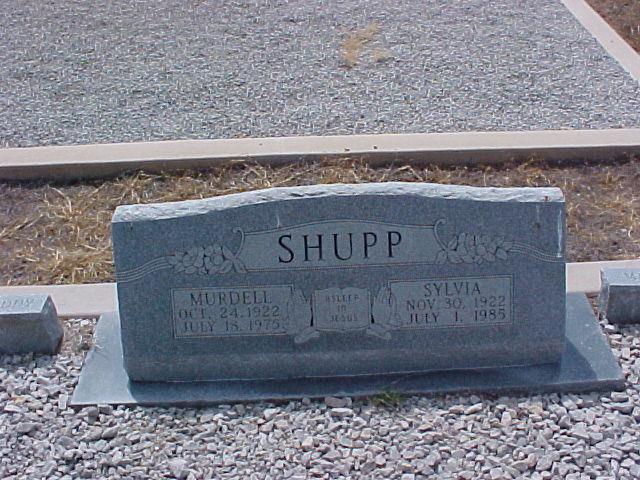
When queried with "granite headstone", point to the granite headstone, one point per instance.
{"points": [[619, 297], [29, 323], [343, 290], [341, 280]]}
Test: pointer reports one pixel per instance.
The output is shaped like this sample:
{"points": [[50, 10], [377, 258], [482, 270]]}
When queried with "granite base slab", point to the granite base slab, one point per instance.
{"points": [[587, 364]]}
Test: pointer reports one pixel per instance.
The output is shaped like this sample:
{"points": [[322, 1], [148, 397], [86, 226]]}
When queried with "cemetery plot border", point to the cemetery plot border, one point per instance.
{"points": [[461, 148], [605, 34]]}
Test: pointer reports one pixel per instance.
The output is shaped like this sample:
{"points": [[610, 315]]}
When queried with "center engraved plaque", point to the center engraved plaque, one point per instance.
{"points": [[232, 311], [341, 309], [453, 302]]}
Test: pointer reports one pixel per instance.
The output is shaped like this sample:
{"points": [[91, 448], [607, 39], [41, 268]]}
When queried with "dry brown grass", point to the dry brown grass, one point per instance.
{"points": [[354, 43], [60, 234], [623, 15]]}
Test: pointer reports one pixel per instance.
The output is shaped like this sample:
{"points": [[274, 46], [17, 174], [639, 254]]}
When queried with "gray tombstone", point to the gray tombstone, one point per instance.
{"points": [[29, 323], [308, 285], [340, 280], [620, 294]]}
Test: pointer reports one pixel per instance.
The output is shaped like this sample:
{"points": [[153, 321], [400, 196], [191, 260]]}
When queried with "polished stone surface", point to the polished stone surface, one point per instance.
{"points": [[620, 294], [338, 280], [587, 364], [29, 323]]}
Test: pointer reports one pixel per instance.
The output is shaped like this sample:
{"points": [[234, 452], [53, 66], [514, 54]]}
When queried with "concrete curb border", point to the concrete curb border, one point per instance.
{"points": [[94, 299], [102, 160], [614, 44]]}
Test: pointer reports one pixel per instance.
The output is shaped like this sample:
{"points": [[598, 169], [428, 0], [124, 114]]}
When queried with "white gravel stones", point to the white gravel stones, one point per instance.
{"points": [[475, 408], [307, 444], [270, 413], [341, 412], [178, 468], [77, 71], [552, 436], [333, 402], [26, 427]]}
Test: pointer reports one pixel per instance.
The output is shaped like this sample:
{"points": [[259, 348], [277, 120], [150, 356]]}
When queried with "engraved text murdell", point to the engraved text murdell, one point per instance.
{"points": [[230, 311]]}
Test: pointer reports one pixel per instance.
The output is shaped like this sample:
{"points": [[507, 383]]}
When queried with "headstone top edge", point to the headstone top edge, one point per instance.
{"points": [[36, 303], [167, 210], [620, 276]]}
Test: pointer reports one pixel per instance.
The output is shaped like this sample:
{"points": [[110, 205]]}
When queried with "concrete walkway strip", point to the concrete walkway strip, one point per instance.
{"points": [[73, 301], [94, 299], [99, 160], [613, 43], [585, 276]]}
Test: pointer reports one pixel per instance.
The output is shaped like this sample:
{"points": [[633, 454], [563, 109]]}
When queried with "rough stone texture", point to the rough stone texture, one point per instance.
{"points": [[74, 71], [161, 211], [620, 294], [409, 277], [586, 364], [29, 323], [448, 437]]}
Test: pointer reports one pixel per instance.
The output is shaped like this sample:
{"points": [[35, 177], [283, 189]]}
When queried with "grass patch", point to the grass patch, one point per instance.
{"points": [[387, 399], [355, 42], [60, 234]]}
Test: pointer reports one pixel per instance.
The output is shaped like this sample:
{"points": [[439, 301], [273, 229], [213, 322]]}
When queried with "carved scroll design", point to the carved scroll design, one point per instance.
{"points": [[383, 312], [473, 248], [300, 316], [379, 323], [212, 259]]}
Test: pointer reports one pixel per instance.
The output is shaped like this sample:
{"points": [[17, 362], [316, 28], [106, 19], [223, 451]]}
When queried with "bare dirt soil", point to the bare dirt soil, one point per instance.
{"points": [[57, 234], [623, 15]]}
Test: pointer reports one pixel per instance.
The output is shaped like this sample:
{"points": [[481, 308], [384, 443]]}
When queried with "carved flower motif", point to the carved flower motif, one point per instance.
{"points": [[213, 258], [468, 248], [193, 259], [209, 260]]}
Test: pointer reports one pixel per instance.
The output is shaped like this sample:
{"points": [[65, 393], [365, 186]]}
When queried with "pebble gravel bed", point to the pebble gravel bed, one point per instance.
{"points": [[586, 436], [78, 71]]}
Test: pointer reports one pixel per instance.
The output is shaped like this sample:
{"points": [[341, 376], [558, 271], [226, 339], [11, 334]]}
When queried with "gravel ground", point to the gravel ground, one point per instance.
{"points": [[584, 436], [78, 71]]}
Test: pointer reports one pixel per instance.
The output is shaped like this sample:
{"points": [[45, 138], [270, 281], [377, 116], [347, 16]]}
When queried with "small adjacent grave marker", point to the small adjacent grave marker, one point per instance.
{"points": [[29, 323], [620, 294]]}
